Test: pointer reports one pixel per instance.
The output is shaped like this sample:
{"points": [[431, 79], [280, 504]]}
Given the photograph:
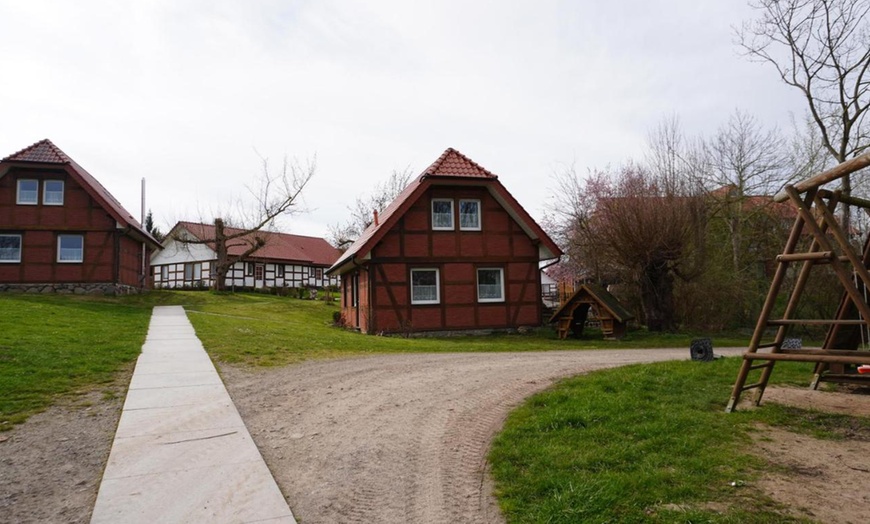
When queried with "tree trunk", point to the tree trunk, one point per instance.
{"points": [[221, 265], [657, 297]]}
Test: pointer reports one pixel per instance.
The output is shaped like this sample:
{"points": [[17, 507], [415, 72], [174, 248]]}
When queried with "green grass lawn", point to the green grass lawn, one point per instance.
{"points": [[57, 345], [268, 330], [644, 443]]}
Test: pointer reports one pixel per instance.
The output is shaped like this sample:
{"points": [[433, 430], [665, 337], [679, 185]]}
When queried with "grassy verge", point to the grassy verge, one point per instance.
{"points": [[57, 345], [266, 330], [646, 443]]}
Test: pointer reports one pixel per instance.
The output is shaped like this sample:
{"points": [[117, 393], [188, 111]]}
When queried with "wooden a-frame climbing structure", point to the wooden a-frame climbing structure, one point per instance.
{"points": [[816, 221]]}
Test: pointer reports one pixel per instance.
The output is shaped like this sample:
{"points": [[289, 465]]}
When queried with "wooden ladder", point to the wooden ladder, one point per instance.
{"points": [[829, 245]]}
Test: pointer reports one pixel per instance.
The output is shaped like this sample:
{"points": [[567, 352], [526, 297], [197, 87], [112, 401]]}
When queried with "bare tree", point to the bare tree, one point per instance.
{"points": [[650, 226], [273, 197], [740, 165], [643, 225], [363, 209], [821, 48]]}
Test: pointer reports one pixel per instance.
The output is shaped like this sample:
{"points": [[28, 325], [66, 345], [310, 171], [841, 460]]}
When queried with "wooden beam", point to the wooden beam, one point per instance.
{"points": [[835, 173], [859, 358], [800, 257], [850, 200]]}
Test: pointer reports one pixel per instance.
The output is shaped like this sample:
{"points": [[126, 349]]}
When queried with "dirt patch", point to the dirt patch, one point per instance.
{"points": [[825, 480], [397, 438], [849, 400], [400, 438], [51, 466]]}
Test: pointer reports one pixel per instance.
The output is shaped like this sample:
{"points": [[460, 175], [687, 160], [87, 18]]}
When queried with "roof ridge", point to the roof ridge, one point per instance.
{"points": [[459, 165], [34, 153]]}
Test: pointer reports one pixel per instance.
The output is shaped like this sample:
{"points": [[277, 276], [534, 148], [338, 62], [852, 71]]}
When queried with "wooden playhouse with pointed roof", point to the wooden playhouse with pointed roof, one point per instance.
{"points": [[591, 302], [453, 252]]}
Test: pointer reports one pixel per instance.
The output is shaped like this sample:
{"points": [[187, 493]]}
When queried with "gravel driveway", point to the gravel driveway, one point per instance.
{"points": [[399, 438]]}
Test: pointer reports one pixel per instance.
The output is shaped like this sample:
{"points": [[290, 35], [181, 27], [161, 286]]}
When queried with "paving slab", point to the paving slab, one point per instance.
{"points": [[181, 451]]}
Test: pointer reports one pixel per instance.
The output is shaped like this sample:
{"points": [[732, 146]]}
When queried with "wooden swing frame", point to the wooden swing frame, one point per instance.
{"points": [[816, 215]]}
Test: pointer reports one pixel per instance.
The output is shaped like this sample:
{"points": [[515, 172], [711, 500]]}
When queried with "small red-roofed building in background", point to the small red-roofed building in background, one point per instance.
{"points": [[284, 260]]}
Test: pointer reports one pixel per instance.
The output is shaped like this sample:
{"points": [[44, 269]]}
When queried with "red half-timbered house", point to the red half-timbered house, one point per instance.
{"points": [[62, 231], [454, 251]]}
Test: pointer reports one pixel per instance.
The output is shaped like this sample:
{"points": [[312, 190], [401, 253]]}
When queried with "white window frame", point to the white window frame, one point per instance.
{"points": [[18, 192], [60, 249], [45, 192], [10, 261], [479, 219], [432, 213], [164, 273], [279, 271], [193, 271], [500, 298], [437, 299]]}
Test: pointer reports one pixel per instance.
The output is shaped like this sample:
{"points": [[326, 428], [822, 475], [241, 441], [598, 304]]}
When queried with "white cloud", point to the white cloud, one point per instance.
{"points": [[183, 92]]}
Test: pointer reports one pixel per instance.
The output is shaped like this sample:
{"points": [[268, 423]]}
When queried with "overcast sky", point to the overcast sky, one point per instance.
{"points": [[185, 93]]}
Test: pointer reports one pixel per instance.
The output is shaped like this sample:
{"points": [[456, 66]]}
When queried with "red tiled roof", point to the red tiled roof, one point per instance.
{"points": [[45, 152], [42, 152], [279, 246], [454, 163], [451, 164]]}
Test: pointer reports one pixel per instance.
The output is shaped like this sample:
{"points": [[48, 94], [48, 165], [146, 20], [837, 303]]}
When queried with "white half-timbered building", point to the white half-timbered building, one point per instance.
{"points": [[284, 261]]}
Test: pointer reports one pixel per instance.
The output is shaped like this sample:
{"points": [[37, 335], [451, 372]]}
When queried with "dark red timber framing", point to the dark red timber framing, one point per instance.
{"points": [[454, 251], [61, 230]]}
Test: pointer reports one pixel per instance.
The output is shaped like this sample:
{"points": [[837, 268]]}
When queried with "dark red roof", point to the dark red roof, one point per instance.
{"points": [[454, 163], [45, 152], [279, 246], [451, 164]]}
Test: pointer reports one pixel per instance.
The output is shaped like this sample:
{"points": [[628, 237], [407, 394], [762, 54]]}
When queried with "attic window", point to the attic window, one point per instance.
{"points": [[28, 191], [469, 215], [442, 214], [52, 192]]}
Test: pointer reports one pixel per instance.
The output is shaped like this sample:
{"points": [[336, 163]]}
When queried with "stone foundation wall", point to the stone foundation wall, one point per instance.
{"points": [[71, 289]]}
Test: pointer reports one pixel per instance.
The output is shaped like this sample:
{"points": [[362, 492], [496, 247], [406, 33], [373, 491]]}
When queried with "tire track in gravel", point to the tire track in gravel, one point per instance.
{"points": [[399, 438]]}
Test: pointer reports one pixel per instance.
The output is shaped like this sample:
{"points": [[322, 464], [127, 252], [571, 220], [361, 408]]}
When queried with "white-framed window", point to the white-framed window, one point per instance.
{"points": [[469, 215], [10, 249], [164, 273], [70, 248], [52, 192], [279, 271], [425, 285], [193, 271], [490, 284], [28, 192], [442, 214], [249, 269]]}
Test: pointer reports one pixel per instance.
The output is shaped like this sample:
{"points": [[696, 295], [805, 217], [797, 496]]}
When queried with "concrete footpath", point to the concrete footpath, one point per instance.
{"points": [[182, 452]]}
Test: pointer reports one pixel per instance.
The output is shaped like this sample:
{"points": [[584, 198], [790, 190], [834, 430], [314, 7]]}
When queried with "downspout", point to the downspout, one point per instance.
{"points": [[116, 265], [143, 275]]}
